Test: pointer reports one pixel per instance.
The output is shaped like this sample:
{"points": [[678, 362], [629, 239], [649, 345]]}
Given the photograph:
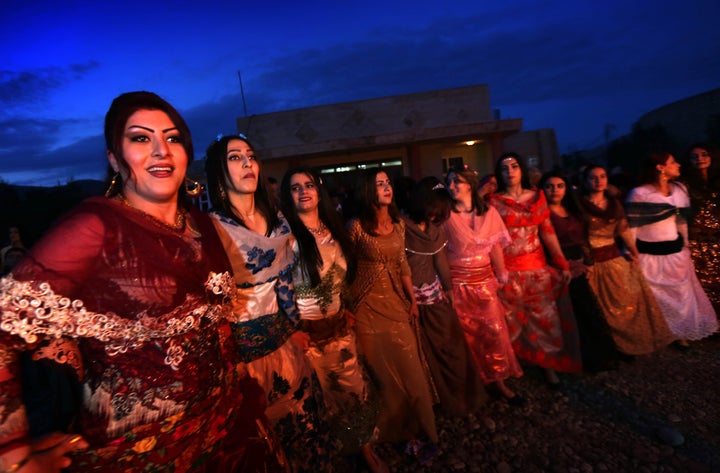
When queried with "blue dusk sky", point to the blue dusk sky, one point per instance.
{"points": [[575, 66]]}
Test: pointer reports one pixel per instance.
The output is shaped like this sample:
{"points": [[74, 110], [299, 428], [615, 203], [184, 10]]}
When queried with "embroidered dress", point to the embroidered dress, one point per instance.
{"points": [[386, 337], [135, 309], [704, 235], [454, 374], [333, 349], [596, 345], [475, 299], [539, 337], [630, 308], [671, 275], [264, 317]]}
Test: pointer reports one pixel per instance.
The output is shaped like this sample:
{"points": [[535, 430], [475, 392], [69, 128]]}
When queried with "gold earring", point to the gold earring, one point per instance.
{"points": [[109, 192], [193, 188]]}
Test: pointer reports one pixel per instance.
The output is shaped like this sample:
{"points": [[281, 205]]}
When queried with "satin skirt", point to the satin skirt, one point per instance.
{"points": [[630, 308], [482, 318]]}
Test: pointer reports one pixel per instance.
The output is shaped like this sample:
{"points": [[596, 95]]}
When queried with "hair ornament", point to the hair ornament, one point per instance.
{"points": [[220, 136], [437, 186]]}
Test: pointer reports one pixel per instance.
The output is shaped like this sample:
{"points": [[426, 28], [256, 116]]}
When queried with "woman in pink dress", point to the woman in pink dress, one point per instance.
{"points": [[535, 326], [476, 236]]}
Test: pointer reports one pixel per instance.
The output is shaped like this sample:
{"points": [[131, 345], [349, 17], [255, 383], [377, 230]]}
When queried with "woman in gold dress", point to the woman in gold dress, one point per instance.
{"points": [[385, 311], [636, 322]]}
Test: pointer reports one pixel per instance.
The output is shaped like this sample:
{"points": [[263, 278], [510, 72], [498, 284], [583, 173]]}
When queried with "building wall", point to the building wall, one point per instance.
{"points": [[418, 161], [424, 133], [538, 147], [369, 123]]}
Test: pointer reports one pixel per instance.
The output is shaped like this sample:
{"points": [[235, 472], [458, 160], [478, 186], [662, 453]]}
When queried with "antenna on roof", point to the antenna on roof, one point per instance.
{"points": [[242, 94]]}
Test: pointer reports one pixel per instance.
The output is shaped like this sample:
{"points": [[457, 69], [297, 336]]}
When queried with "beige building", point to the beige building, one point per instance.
{"points": [[410, 135]]}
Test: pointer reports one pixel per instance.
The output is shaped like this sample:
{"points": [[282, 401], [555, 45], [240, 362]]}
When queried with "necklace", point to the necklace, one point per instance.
{"points": [[178, 226], [319, 230]]}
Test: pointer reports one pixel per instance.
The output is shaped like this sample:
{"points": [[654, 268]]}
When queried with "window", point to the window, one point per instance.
{"points": [[447, 163]]}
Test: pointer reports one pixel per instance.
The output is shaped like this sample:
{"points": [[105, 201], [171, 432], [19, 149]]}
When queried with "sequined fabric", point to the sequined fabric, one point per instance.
{"points": [[386, 336], [705, 243]]}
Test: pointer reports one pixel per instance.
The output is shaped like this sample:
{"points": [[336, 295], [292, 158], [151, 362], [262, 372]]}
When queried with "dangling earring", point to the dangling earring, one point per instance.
{"points": [[221, 191], [193, 188], [113, 183]]}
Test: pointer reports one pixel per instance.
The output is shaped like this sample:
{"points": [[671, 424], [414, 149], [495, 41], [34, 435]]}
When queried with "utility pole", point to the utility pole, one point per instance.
{"points": [[242, 94]]}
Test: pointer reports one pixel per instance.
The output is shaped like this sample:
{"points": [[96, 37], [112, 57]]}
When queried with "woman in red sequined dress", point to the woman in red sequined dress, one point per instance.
{"points": [[539, 337]]}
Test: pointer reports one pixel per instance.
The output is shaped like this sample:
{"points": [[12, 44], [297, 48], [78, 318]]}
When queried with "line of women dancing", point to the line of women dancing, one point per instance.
{"points": [[141, 334]]}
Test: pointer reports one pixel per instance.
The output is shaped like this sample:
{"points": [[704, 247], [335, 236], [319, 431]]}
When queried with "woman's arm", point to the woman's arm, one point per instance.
{"points": [[552, 244], [442, 267], [683, 230], [408, 288], [498, 261], [64, 259], [406, 276]]}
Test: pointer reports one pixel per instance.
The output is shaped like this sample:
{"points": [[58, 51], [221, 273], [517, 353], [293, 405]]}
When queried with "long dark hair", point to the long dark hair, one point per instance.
{"points": [[430, 202], [310, 258], [525, 178], [693, 176], [569, 200], [367, 201], [121, 109], [648, 166], [218, 176], [478, 204]]}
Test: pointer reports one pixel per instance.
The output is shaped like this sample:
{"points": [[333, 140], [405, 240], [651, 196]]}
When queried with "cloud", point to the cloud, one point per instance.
{"points": [[39, 164], [522, 59], [28, 87], [556, 64]]}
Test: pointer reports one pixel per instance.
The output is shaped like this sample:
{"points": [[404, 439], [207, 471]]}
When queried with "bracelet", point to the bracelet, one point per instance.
{"points": [[16, 466]]}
